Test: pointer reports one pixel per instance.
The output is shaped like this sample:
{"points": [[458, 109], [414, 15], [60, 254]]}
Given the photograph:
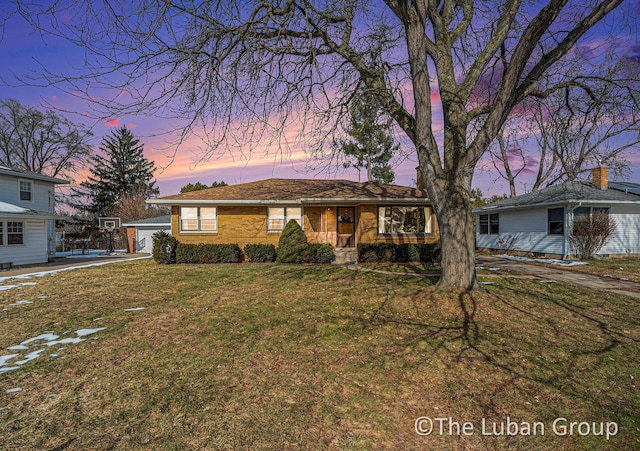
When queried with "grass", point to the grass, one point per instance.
{"points": [[313, 357]]}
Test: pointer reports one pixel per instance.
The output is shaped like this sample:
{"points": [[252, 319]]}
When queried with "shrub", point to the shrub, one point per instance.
{"points": [[319, 253], [164, 248], [590, 233], [292, 244], [402, 253], [207, 253], [260, 253]]}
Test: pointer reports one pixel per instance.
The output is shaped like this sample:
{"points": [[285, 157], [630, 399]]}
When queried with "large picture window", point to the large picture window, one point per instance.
{"points": [[25, 190], [198, 219], [401, 220], [489, 224], [277, 217], [556, 221], [15, 232]]}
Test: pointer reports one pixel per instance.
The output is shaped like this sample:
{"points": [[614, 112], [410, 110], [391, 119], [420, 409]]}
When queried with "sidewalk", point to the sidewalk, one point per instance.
{"points": [[61, 263], [623, 287]]}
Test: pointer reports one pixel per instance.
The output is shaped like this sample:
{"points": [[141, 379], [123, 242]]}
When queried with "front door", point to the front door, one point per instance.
{"points": [[346, 227]]}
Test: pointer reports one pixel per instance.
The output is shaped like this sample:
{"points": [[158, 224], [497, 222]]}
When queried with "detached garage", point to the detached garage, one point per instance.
{"points": [[140, 233]]}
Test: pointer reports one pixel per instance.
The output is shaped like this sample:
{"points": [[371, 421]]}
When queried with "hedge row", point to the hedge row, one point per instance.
{"points": [[167, 250], [208, 253], [401, 253]]}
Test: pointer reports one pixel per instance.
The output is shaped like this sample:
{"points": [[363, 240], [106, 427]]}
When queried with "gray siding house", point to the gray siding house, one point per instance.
{"points": [[27, 217], [540, 222]]}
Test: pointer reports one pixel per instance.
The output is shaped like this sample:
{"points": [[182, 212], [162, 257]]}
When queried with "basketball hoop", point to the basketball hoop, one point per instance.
{"points": [[110, 226]]}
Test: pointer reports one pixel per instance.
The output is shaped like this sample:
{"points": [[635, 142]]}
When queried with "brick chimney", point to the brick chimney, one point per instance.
{"points": [[420, 181], [600, 177]]}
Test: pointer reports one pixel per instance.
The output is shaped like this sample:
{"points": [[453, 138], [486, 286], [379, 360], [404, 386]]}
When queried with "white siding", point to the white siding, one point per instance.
{"points": [[529, 226], [42, 193], [627, 234], [34, 249]]}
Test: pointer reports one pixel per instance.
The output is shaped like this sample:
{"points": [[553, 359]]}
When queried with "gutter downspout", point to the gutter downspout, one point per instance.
{"points": [[567, 233]]}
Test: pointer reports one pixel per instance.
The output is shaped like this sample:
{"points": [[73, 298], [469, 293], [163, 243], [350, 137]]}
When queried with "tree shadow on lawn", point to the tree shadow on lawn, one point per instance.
{"points": [[525, 338]]}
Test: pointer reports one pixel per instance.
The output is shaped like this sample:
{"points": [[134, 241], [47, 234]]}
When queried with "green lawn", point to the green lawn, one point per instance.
{"points": [[627, 268], [312, 357]]}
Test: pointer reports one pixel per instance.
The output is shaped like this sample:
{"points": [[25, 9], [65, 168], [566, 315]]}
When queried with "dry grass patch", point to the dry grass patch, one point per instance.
{"points": [[312, 357]]}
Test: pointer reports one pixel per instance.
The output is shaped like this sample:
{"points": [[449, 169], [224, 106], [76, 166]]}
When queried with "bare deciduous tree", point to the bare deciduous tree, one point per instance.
{"points": [[246, 72], [45, 143], [563, 136], [590, 233]]}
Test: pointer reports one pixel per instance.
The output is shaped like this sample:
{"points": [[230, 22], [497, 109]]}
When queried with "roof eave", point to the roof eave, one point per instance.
{"points": [[303, 201], [489, 208]]}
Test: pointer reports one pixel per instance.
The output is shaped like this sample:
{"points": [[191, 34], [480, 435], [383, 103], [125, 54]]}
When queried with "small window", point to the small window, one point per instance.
{"points": [[494, 224], [25, 190], [1, 233], [484, 224], [556, 221], [489, 224], [198, 219], [401, 220], [15, 232], [277, 217]]}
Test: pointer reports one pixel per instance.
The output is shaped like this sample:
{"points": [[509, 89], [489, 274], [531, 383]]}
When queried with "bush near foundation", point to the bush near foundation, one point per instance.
{"points": [[260, 253], [319, 253], [164, 248], [208, 253], [398, 253], [292, 244]]}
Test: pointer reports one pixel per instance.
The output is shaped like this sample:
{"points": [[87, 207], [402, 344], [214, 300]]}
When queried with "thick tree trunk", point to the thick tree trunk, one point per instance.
{"points": [[457, 240]]}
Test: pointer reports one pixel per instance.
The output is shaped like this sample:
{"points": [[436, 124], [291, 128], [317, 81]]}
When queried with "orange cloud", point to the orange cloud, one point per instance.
{"points": [[113, 122], [131, 125]]}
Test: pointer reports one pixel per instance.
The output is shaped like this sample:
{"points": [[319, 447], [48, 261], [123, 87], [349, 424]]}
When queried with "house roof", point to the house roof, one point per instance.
{"points": [[164, 220], [570, 192], [274, 191], [4, 170], [15, 211]]}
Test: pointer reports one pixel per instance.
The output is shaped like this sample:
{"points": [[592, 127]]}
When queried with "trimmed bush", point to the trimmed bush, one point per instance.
{"points": [[207, 253], [260, 253], [292, 244], [319, 253], [164, 248], [398, 253]]}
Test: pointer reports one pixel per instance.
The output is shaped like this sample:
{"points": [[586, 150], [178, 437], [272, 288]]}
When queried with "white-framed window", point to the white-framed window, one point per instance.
{"points": [[489, 224], [198, 219], [398, 220], [15, 232], [277, 217], [555, 221], [26, 190]]}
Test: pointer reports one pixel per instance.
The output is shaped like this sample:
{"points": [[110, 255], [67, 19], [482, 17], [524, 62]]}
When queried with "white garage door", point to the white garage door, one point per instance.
{"points": [[145, 240]]}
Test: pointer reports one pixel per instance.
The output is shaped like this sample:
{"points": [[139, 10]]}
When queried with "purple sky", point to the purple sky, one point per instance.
{"points": [[21, 50]]}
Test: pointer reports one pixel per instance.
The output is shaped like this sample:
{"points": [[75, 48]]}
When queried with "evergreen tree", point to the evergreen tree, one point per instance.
{"points": [[119, 170], [372, 144]]}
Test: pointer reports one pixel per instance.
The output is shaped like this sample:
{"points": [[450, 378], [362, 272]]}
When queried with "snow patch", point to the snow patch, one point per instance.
{"points": [[23, 302], [14, 390], [550, 261], [133, 309]]}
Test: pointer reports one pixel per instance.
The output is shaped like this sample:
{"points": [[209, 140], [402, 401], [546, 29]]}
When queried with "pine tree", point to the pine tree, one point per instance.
{"points": [[120, 169], [372, 144]]}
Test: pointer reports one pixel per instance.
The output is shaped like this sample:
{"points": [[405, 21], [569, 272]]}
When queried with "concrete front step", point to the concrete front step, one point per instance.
{"points": [[345, 255]]}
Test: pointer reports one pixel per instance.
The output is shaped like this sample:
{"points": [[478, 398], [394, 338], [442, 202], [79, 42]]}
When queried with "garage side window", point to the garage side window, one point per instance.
{"points": [[198, 219]]}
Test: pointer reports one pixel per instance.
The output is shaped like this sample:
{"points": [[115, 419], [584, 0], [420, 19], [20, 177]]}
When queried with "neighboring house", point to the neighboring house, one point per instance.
{"points": [[339, 212], [27, 218], [540, 222], [140, 232]]}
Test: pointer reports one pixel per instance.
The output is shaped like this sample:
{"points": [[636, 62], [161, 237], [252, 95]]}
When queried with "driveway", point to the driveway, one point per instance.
{"points": [[62, 263], [560, 274]]}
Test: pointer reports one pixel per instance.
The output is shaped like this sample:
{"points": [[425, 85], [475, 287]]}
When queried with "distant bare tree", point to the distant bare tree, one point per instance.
{"points": [[44, 143], [250, 72], [590, 233], [133, 207], [563, 136]]}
